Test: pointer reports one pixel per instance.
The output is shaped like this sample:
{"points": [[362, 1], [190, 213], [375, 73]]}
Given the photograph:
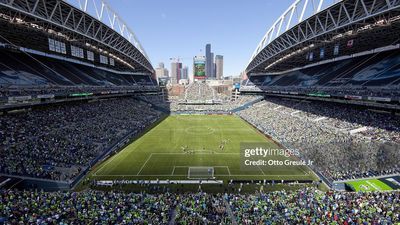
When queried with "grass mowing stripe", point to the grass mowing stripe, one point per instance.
{"points": [[193, 141]]}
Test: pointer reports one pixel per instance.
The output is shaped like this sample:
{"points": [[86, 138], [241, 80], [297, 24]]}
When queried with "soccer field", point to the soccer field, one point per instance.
{"points": [[181, 142]]}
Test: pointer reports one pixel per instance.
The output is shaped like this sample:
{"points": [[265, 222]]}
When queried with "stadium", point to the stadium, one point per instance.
{"points": [[310, 135]]}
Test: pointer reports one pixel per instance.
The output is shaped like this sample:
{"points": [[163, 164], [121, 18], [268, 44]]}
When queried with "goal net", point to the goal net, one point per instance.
{"points": [[201, 173]]}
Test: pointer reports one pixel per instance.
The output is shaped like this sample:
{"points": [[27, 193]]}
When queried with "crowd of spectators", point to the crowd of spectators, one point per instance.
{"points": [[200, 97], [88, 207], [224, 107], [57, 142], [382, 92], [309, 206], [343, 142], [304, 206], [199, 92], [201, 208]]}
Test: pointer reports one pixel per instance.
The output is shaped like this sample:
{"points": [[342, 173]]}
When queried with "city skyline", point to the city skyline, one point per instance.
{"points": [[175, 28], [213, 68]]}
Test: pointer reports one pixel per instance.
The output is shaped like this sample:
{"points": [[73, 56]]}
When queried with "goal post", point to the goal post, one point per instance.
{"points": [[200, 172]]}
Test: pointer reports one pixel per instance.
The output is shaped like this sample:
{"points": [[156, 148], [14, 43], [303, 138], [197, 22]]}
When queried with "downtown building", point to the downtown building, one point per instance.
{"points": [[161, 71], [210, 68], [176, 72], [219, 67]]}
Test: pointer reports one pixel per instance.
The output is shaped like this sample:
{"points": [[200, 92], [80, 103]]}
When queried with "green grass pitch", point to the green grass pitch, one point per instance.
{"points": [[158, 154], [369, 185]]}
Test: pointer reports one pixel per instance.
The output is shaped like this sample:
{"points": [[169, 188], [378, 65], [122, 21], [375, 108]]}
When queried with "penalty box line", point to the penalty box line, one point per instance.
{"points": [[202, 152], [199, 152], [227, 169], [180, 153]]}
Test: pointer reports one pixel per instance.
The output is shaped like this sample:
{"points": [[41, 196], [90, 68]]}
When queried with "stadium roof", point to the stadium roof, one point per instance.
{"points": [[365, 24], [69, 21]]}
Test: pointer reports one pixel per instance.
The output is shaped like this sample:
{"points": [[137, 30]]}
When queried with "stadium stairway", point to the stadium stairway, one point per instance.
{"points": [[230, 213], [248, 104], [173, 217]]}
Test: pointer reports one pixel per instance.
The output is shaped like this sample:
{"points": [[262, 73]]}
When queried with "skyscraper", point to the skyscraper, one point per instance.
{"points": [[209, 62], [176, 72], [212, 74], [219, 66], [161, 71], [185, 73]]}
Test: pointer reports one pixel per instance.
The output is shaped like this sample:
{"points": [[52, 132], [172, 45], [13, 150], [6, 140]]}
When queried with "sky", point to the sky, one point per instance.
{"points": [[181, 28]]}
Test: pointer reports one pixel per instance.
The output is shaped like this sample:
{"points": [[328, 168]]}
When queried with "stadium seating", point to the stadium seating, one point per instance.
{"points": [[313, 207], [226, 106], [58, 142], [20, 71], [84, 208], [202, 208], [76, 88], [342, 145], [305, 206], [199, 92], [199, 97], [369, 75]]}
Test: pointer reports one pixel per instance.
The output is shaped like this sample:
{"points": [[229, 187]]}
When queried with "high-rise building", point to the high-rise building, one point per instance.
{"points": [[209, 62], [161, 71], [212, 74], [219, 66], [176, 70], [185, 73]]}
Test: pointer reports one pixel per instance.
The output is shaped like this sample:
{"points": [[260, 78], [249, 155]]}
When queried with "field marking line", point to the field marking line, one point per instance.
{"points": [[227, 168], [210, 130], [261, 170], [304, 171], [141, 168], [108, 162], [173, 171], [199, 152], [373, 185], [229, 129], [235, 175]]}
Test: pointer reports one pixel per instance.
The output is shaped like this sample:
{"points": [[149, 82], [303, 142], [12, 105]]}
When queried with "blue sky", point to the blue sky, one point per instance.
{"points": [[180, 28]]}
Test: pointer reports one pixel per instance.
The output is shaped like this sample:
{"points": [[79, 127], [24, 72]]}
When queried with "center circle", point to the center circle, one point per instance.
{"points": [[202, 130]]}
